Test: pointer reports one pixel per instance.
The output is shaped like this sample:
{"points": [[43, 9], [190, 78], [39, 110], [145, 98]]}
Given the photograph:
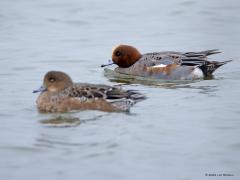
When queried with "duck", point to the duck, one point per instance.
{"points": [[167, 65], [60, 94]]}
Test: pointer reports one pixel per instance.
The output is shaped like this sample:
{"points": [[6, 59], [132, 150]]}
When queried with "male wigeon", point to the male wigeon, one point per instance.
{"points": [[167, 65], [60, 94]]}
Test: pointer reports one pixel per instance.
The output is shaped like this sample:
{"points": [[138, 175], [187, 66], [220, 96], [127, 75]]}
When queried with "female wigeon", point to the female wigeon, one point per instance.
{"points": [[60, 94], [168, 65]]}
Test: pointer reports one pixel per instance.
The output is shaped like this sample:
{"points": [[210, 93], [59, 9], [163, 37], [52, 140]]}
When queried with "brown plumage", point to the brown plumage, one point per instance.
{"points": [[60, 94]]}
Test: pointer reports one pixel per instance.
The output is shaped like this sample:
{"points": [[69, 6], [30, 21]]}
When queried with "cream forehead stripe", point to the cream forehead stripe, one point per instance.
{"points": [[115, 47]]}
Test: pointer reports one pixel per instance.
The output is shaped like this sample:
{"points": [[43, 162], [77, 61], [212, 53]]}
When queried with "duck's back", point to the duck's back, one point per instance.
{"points": [[83, 96], [173, 65]]}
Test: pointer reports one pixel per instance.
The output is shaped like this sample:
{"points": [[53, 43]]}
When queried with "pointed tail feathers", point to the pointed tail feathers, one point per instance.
{"points": [[210, 52], [135, 95], [130, 98], [210, 66], [202, 53]]}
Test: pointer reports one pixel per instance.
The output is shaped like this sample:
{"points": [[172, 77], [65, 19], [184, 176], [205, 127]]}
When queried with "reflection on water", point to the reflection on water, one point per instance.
{"points": [[61, 121], [67, 120], [129, 79], [189, 86]]}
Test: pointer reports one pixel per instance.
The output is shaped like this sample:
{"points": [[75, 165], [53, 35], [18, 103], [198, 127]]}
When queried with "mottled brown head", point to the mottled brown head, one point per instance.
{"points": [[55, 81], [125, 56]]}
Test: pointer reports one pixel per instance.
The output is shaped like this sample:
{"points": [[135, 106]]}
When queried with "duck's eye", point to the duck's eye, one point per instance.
{"points": [[51, 80], [118, 53]]}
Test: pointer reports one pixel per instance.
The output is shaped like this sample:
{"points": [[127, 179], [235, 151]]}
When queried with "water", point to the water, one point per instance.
{"points": [[180, 132]]}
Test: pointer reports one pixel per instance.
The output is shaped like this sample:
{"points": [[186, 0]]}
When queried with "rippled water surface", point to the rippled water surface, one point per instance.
{"points": [[182, 131]]}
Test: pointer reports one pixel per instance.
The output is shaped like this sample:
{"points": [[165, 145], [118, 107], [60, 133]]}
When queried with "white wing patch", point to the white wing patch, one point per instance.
{"points": [[159, 65]]}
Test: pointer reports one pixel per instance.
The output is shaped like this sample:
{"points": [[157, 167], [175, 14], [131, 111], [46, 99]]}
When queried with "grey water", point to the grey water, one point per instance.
{"points": [[181, 131]]}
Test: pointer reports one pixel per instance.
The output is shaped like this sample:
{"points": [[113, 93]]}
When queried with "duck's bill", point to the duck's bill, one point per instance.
{"points": [[110, 62], [41, 89]]}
